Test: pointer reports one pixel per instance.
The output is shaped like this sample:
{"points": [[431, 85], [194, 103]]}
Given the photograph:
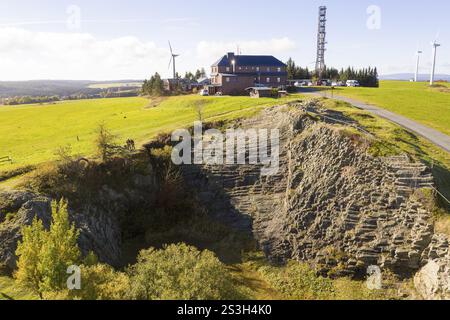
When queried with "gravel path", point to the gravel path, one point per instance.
{"points": [[436, 137]]}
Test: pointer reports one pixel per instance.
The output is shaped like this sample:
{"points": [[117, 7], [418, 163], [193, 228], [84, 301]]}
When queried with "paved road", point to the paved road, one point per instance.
{"points": [[438, 138]]}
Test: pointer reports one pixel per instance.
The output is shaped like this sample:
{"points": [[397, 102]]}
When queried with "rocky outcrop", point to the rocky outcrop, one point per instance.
{"points": [[99, 231], [332, 204], [26, 207], [432, 282]]}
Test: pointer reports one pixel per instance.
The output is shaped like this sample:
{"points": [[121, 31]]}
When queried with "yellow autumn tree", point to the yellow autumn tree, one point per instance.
{"points": [[44, 256]]}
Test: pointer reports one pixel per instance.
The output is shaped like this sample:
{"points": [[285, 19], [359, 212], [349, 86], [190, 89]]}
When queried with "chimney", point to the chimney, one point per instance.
{"points": [[230, 56]]}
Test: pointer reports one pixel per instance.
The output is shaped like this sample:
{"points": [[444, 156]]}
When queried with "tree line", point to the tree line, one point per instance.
{"points": [[155, 85], [29, 100], [197, 75], [367, 77]]}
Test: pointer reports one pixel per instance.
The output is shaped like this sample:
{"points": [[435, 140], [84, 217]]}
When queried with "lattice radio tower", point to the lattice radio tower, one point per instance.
{"points": [[321, 41]]}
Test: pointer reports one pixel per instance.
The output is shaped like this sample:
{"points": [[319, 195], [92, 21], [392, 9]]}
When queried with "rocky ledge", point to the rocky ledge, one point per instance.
{"points": [[332, 204]]}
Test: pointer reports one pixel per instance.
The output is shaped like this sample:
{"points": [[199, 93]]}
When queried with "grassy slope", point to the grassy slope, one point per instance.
{"points": [[9, 290], [417, 101], [32, 133], [396, 140]]}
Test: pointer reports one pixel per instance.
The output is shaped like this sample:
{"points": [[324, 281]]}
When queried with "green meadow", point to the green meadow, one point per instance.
{"points": [[31, 134], [415, 100]]}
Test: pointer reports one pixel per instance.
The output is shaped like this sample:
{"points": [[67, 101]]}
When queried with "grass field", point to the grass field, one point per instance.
{"points": [[9, 290], [417, 101], [31, 134]]}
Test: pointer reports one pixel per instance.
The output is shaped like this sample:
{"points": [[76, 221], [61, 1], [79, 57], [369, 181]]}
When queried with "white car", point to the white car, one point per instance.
{"points": [[337, 84], [300, 84], [352, 83], [204, 92]]}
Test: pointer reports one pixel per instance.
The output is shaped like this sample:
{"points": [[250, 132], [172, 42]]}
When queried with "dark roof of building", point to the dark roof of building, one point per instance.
{"points": [[266, 61], [254, 74]]}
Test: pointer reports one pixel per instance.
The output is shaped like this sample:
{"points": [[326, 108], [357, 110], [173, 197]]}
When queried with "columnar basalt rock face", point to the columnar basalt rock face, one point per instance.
{"points": [[347, 212], [331, 204]]}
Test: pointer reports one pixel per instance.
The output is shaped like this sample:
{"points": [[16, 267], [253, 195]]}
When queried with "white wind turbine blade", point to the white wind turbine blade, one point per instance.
{"points": [[170, 46]]}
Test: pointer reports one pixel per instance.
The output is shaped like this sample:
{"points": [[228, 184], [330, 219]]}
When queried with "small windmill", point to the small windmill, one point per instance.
{"points": [[173, 58], [435, 45]]}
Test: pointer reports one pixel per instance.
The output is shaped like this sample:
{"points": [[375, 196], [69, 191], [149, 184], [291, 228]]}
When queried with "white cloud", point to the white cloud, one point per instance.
{"points": [[212, 51], [28, 55], [44, 55]]}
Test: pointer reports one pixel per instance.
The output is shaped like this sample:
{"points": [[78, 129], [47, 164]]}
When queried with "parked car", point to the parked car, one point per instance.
{"points": [[300, 84], [337, 84], [352, 83], [204, 92]]}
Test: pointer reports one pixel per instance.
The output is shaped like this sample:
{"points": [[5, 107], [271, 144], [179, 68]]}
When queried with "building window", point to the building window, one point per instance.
{"points": [[227, 79], [278, 80], [240, 68], [228, 69], [268, 80], [257, 68], [268, 69], [279, 69]]}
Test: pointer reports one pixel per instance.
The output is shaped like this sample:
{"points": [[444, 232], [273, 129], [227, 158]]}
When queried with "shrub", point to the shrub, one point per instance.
{"points": [[180, 272], [299, 282], [101, 282], [44, 256], [106, 144]]}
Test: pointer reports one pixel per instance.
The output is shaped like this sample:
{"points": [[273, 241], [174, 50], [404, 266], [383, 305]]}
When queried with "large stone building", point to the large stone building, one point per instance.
{"points": [[232, 74]]}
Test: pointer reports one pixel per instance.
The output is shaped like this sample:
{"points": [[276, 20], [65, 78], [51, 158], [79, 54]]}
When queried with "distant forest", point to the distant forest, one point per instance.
{"points": [[45, 91], [367, 77]]}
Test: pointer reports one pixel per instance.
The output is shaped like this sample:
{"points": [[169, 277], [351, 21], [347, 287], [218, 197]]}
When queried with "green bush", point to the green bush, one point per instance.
{"points": [[44, 256], [299, 282], [180, 272], [101, 282]]}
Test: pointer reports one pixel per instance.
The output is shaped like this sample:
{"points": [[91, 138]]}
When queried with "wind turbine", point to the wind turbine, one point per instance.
{"points": [[433, 68], [173, 59], [416, 76]]}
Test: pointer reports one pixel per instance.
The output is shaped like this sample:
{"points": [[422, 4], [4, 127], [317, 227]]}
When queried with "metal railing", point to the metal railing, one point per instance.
{"points": [[439, 193]]}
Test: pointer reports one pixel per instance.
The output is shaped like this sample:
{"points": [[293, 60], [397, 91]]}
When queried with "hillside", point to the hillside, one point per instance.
{"points": [[31, 134], [346, 180], [59, 88], [417, 101]]}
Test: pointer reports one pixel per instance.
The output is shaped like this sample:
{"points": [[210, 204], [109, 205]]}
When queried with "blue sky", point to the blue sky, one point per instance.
{"points": [[128, 39]]}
